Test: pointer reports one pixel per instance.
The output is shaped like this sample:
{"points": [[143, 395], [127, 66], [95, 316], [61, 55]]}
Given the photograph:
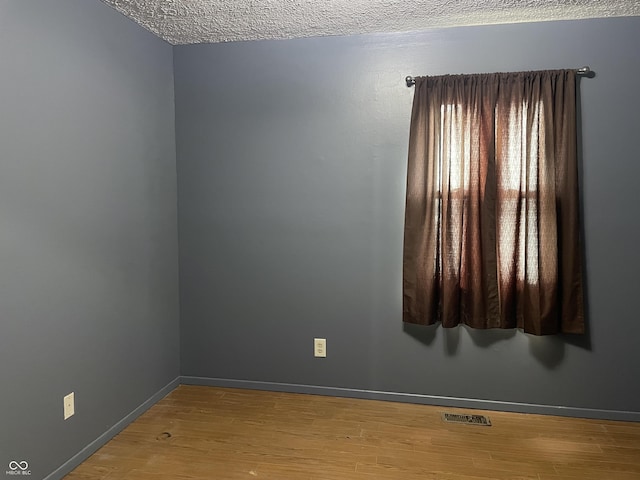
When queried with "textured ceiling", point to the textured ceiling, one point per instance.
{"points": [[211, 21]]}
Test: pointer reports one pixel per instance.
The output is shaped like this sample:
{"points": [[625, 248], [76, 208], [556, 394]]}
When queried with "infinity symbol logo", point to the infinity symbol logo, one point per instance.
{"points": [[13, 465]]}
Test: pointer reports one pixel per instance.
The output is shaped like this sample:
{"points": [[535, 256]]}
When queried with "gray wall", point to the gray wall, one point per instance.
{"points": [[291, 180], [88, 229]]}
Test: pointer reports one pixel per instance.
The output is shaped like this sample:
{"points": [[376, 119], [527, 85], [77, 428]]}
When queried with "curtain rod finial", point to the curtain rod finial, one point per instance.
{"points": [[410, 81]]}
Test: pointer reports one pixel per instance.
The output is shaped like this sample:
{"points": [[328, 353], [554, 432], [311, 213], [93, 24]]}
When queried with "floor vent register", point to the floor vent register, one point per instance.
{"points": [[466, 419]]}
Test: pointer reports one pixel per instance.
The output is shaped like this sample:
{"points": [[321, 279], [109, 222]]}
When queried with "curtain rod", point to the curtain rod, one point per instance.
{"points": [[411, 81]]}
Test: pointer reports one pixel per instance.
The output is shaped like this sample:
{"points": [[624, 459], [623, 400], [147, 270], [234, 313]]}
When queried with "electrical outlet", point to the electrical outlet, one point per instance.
{"points": [[320, 347], [69, 405]]}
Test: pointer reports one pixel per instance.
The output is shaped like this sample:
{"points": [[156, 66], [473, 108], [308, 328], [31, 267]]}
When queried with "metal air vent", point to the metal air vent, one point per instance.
{"points": [[466, 419]]}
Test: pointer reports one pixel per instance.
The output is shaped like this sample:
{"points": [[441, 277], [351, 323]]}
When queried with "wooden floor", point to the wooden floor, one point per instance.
{"points": [[219, 433]]}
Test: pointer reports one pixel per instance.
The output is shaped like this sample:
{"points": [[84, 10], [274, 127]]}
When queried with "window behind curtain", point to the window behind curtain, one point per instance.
{"points": [[491, 224]]}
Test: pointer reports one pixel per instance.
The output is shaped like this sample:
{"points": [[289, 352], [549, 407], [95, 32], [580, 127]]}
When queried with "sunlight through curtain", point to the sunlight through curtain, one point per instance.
{"points": [[492, 236]]}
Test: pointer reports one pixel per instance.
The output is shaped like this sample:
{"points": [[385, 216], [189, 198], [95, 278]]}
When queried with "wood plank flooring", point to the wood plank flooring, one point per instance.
{"points": [[219, 433]]}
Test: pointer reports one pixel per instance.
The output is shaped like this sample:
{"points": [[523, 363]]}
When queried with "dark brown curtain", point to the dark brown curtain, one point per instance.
{"points": [[492, 237]]}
